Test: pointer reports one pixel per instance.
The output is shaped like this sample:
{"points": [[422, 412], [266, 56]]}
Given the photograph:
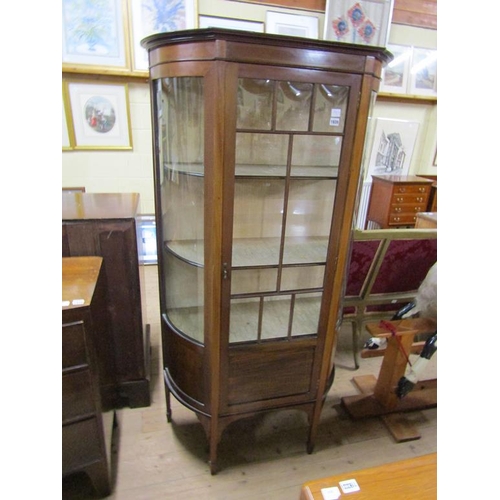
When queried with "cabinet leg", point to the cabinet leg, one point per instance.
{"points": [[99, 476], [169, 406]]}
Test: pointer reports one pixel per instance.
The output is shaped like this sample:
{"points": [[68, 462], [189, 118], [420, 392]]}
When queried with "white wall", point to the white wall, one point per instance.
{"points": [[132, 171]]}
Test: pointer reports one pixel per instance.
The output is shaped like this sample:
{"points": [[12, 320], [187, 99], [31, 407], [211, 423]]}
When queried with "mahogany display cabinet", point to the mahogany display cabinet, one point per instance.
{"points": [[258, 141]]}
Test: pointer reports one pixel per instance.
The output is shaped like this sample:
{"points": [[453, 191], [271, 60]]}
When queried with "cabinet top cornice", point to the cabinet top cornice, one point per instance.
{"points": [[264, 39]]}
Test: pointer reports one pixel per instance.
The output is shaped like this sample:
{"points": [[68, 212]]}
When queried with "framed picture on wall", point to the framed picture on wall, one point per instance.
{"points": [[423, 72], [363, 22], [93, 34], [292, 24], [100, 115], [149, 16], [67, 130], [224, 22], [392, 147], [395, 75]]}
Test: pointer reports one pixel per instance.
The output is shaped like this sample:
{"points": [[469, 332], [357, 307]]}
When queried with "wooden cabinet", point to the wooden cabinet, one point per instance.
{"points": [[257, 147], [86, 428], [395, 200], [105, 224]]}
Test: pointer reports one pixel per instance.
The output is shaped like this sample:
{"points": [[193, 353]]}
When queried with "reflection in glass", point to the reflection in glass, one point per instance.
{"points": [[316, 156], [253, 281], [306, 314], [182, 123], [293, 105], [309, 216], [276, 317], [255, 104], [261, 154], [184, 303], [330, 107], [257, 223], [303, 277], [244, 320]]}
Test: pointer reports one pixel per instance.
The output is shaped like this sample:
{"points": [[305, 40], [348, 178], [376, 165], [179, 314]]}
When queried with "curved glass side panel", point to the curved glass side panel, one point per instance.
{"points": [[181, 147], [183, 284]]}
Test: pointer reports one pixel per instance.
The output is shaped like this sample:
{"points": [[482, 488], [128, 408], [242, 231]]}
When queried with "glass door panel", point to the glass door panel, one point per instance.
{"points": [[276, 317], [261, 154], [255, 103], [306, 314], [316, 155], [257, 221], [330, 108], [244, 320], [293, 105], [302, 277], [309, 216]]}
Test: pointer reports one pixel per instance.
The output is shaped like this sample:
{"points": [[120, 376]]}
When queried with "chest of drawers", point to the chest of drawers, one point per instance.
{"points": [[395, 200], [87, 429]]}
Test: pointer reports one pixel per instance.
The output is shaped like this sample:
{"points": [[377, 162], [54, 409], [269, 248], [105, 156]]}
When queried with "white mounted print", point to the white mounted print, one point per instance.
{"points": [[392, 148]]}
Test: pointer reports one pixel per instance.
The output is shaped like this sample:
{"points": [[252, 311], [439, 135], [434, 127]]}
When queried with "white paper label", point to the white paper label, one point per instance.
{"points": [[330, 493], [335, 114], [349, 485], [78, 302], [65, 303]]}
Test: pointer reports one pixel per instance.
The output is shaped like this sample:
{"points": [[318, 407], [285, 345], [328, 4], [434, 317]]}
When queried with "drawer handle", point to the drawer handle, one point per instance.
{"points": [[422, 190], [418, 209], [399, 200], [398, 209], [402, 190], [397, 219], [420, 199]]}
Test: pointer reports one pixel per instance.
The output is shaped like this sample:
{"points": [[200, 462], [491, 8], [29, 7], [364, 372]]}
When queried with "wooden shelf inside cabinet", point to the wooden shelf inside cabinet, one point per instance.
{"points": [[258, 140], [87, 425], [107, 225]]}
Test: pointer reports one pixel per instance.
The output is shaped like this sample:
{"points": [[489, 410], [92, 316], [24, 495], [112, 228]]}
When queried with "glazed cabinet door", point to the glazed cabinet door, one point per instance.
{"points": [[293, 137]]}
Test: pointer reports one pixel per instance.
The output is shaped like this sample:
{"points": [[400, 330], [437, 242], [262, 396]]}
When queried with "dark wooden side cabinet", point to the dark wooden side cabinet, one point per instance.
{"points": [[106, 225], [87, 428], [395, 200]]}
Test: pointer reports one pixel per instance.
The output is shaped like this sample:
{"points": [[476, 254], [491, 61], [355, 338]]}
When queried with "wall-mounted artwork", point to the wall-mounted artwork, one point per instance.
{"points": [[100, 115], [392, 147], [363, 22], [423, 72], [93, 33], [152, 16], [396, 74], [292, 24], [234, 24]]}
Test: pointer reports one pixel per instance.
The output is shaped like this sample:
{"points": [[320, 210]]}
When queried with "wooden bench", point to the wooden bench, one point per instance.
{"points": [[385, 270]]}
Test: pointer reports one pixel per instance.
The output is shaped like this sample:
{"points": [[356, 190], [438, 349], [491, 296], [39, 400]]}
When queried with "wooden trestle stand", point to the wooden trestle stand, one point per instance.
{"points": [[378, 395]]}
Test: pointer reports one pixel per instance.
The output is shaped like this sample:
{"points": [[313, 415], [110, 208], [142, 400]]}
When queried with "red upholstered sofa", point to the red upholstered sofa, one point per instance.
{"points": [[385, 270]]}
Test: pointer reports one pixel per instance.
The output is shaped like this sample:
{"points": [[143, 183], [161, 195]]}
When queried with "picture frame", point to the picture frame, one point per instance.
{"points": [[94, 35], [395, 76], [423, 72], [292, 24], [362, 22], [68, 140], [225, 22], [392, 147], [146, 19], [100, 115]]}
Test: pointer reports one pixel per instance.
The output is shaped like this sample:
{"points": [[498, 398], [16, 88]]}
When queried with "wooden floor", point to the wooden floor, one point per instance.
{"points": [[260, 458]]}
